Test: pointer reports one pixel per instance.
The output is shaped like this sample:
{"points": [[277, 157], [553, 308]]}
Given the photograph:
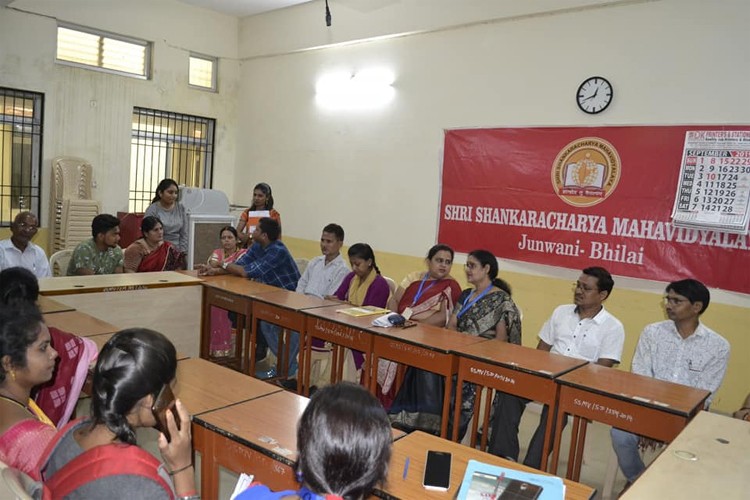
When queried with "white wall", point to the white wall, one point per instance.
{"points": [[377, 173], [88, 113]]}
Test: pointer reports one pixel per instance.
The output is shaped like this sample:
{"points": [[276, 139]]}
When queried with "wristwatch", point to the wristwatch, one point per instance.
{"points": [[224, 265]]}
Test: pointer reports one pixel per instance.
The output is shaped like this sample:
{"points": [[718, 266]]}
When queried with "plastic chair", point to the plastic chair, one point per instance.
{"points": [[58, 262], [391, 285], [15, 484], [301, 264]]}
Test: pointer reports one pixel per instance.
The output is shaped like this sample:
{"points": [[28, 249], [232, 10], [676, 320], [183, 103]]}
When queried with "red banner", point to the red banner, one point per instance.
{"points": [[578, 197]]}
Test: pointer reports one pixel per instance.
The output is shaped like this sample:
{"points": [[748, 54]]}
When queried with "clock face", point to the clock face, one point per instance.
{"points": [[594, 95]]}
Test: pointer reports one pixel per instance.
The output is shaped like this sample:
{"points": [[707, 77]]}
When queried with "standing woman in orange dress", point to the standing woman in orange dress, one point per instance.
{"points": [[262, 201]]}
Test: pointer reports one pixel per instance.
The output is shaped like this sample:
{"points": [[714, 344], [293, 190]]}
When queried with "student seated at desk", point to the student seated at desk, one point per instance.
{"points": [[267, 261], [427, 297], [58, 396], [364, 286], [133, 367], [101, 254], [681, 350], [151, 252], [486, 310], [28, 360], [344, 441], [583, 330]]}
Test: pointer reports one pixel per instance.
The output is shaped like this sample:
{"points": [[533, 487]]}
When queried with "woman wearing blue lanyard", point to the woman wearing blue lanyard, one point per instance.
{"points": [[484, 311], [427, 297]]}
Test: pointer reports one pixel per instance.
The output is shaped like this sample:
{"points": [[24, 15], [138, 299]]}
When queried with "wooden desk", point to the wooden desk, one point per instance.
{"points": [[102, 339], [167, 302], [719, 446], [415, 447], [79, 323], [634, 403], [513, 369], [204, 386], [342, 331], [427, 348], [49, 306], [63, 285], [230, 293], [258, 437], [282, 308]]}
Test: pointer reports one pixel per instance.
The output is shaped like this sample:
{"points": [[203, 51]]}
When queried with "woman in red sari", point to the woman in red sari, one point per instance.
{"points": [[427, 297], [27, 360], [151, 253]]}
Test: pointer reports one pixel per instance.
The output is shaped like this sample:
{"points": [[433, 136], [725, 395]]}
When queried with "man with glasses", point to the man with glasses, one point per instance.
{"points": [[681, 350], [583, 330], [19, 251]]}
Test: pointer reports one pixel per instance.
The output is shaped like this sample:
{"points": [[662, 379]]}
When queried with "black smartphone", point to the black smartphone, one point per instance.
{"points": [[437, 471], [163, 403]]}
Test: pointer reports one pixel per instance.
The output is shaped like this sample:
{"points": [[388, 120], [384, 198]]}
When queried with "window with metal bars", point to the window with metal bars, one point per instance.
{"points": [[168, 145], [21, 121]]}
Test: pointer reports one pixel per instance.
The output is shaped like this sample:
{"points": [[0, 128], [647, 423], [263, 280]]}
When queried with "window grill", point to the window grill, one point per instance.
{"points": [[168, 145], [21, 119]]}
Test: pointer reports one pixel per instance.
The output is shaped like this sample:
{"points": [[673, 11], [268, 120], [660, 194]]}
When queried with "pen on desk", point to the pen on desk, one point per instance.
{"points": [[497, 486], [406, 467]]}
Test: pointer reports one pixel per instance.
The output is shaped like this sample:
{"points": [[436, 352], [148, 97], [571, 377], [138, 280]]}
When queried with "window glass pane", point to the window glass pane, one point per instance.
{"points": [[100, 50], [202, 72]]}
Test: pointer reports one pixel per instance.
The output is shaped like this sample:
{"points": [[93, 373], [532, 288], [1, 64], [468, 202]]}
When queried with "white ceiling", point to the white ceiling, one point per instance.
{"points": [[242, 8]]}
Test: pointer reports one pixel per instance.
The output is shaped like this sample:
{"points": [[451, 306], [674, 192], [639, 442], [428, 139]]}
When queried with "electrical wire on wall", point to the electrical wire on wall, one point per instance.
{"points": [[328, 15]]}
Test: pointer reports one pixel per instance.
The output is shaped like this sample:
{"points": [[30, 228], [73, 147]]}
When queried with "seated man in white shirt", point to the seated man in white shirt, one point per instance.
{"points": [[681, 350], [583, 330], [19, 251], [322, 277]]}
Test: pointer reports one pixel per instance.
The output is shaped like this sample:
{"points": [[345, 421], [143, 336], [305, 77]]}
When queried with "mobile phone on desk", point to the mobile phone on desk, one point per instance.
{"points": [[437, 471], [164, 402]]}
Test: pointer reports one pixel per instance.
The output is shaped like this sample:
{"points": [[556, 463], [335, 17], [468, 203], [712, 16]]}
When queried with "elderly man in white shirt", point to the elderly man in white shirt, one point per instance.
{"points": [[19, 251], [322, 277], [681, 350], [583, 330]]}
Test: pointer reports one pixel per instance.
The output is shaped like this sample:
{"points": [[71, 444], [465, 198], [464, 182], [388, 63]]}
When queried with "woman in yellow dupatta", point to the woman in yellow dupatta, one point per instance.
{"points": [[28, 360]]}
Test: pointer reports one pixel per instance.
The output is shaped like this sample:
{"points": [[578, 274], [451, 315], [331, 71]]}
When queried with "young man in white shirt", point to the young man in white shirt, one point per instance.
{"points": [[583, 330], [681, 350], [19, 251], [322, 277]]}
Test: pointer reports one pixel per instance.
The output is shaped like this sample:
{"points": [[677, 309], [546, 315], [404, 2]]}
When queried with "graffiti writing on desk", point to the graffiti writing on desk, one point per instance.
{"points": [[489, 373], [230, 300], [334, 330], [423, 353], [124, 288], [614, 412]]}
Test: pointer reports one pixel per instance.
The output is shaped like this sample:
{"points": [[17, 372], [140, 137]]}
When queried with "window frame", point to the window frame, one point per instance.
{"points": [[147, 45], [214, 73]]}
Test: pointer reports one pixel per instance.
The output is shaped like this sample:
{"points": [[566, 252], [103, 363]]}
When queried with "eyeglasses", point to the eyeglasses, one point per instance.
{"points": [[673, 301], [30, 227], [584, 288], [471, 265]]}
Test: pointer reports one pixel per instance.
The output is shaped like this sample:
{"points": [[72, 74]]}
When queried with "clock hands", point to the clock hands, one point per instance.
{"points": [[591, 96]]}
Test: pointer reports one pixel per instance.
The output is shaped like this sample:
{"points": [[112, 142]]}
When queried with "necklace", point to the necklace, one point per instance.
{"points": [[15, 401]]}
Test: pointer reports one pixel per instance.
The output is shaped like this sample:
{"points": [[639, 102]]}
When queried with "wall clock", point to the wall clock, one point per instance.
{"points": [[594, 95]]}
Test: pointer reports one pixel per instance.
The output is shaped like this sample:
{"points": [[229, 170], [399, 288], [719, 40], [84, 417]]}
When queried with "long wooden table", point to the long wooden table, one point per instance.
{"points": [[258, 437], [342, 332], [230, 293], [415, 447], [634, 403], [513, 369], [63, 285], [49, 306], [708, 459], [424, 347], [282, 308], [79, 323]]}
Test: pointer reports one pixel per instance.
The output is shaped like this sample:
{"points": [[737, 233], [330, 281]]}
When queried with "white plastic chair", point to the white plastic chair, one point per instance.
{"points": [[58, 262], [391, 285], [15, 484], [301, 264]]}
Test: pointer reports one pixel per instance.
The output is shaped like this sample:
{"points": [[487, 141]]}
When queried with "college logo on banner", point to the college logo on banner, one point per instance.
{"points": [[609, 202], [586, 172]]}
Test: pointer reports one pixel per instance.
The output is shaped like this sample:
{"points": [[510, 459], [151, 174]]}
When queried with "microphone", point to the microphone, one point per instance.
{"points": [[328, 15]]}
